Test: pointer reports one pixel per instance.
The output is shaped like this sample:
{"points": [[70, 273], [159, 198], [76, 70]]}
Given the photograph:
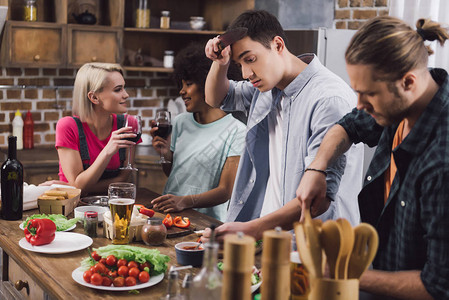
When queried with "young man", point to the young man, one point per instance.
{"points": [[403, 108], [290, 102]]}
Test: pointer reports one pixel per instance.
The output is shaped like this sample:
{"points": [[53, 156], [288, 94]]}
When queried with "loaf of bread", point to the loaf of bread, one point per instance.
{"points": [[57, 194], [47, 197]]}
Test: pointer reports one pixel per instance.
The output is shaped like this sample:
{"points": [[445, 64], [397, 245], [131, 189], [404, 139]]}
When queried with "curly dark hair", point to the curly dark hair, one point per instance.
{"points": [[192, 64]]}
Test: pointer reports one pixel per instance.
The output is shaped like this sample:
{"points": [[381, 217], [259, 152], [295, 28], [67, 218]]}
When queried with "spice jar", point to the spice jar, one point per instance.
{"points": [[143, 14], [168, 59], [90, 223], [154, 232], [30, 11], [165, 19]]}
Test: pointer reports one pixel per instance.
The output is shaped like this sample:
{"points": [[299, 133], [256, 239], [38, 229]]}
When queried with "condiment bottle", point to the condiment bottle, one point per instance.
{"points": [[12, 184], [238, 261], [143, 14], [168, 58], [28, 132], [30, 11], [165, 19], [276, 264], [17, 129], [173, 292], [207, 284], [154, 232], [90, 223]]}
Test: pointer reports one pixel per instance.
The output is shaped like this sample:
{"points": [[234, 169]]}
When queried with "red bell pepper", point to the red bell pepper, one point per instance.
{"points": [[168, 221], [145, 211], [181, 222], [40, 231]]}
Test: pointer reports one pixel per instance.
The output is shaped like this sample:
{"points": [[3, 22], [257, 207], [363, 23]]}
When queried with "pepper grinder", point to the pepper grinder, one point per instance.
{"points": [[238, 261], [276, 264]]}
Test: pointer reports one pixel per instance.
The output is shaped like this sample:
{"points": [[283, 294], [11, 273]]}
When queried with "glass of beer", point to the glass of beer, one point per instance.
{"points": [[299, 278], [122, 190], [121, 211]]}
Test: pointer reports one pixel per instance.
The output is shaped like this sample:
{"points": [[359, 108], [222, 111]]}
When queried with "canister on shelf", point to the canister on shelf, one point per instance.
{"points": [[143, 14], [30, 11], [168, 59], [165, 19]]}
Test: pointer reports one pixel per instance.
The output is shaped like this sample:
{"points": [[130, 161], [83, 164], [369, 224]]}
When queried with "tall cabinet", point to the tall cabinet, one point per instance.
{"points": [[57, 39]]}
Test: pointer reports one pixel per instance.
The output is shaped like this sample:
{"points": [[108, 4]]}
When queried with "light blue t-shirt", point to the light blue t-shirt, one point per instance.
{"points": [[199, 153]]}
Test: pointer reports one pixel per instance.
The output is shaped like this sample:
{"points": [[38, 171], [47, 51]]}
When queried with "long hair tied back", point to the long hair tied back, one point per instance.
{"points": [[392, 47]]}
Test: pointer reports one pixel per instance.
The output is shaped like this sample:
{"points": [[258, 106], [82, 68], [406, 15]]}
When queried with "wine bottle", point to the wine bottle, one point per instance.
{"points": [[12, 184]]}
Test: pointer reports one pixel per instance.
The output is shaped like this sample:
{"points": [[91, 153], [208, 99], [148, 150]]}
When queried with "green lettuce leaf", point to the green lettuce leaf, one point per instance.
{"points": [[61, 221]]}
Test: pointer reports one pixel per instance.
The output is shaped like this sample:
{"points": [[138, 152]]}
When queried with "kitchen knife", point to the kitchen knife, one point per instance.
{"points": [[229, 37]]}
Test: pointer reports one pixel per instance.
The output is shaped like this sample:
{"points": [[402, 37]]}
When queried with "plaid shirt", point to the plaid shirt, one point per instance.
{"points": [[413, 225]]}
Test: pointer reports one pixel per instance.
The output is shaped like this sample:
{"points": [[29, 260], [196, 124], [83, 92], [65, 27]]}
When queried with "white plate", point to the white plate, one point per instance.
{"points": [[77, 275], [255, 286], [64, 242], [68, 229]]}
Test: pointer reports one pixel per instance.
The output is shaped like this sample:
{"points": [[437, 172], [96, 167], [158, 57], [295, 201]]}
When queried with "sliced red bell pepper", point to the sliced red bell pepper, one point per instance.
{"points": [[168, 221], [145, 211], [40, 231], [181, 222]]}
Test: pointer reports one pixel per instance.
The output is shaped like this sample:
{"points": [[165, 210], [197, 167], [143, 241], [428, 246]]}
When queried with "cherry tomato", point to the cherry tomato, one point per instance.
{"points": [[87, 275], [96, 279], [106, 281], [100, 268], [118, 281], [122, 262], [144, 277], [123, 271], [130, 281], [134, 272], [111, 260], [103, 261], [133, 264], [95, 256], [92, 269], [112, 274], [144, 265]]}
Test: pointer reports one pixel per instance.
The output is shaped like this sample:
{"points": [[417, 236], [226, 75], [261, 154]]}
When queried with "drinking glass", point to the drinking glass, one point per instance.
{"points": [[122, 197], [135, 122], [163, 123], [122, 190]]}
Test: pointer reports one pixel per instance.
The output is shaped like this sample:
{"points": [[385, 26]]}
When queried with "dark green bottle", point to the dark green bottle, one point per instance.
{"points": [[12, 184]]}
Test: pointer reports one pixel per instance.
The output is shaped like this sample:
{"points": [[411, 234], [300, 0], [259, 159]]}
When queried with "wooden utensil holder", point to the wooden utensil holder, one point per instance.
{"points": [[331, 289]]}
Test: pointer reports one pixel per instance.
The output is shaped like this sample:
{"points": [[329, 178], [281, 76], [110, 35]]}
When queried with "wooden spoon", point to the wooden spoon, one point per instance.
{"points": [[366, 242], [347, 243], [331, 237], [313, 242]]}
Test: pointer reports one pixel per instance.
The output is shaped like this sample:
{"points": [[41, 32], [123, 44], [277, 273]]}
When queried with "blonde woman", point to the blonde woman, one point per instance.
{"points": [[91, 144]]}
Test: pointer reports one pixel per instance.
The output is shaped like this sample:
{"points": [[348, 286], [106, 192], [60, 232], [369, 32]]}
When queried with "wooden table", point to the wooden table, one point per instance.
{"points": [[53, 273]]}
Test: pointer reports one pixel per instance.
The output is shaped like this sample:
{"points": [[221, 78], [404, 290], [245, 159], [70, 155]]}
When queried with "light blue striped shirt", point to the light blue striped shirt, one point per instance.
{"points": [[314, 101]]}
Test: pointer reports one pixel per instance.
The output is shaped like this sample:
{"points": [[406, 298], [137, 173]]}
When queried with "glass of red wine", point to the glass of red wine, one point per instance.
{"points": [[164, 127], [135, 122]]}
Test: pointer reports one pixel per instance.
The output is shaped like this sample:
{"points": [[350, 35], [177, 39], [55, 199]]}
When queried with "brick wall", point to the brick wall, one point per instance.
{"points": [[148, 91], [350, 14]]}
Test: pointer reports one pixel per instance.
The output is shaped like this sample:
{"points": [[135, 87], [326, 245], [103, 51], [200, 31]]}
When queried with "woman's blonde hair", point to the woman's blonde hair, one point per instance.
{"points": [[90, 77], [392, 47]]}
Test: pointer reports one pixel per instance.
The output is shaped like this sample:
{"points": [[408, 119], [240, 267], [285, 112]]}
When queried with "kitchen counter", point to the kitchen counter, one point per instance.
{"points": [[52, 274], [42, 164]]}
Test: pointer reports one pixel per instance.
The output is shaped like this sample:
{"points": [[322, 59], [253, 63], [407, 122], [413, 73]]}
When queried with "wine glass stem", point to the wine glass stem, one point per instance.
{"points": [[129, 157]]}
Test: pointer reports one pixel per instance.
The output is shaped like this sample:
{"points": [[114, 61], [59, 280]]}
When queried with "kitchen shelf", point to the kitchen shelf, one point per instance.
{"points": [[148, 69], [173, 31]]}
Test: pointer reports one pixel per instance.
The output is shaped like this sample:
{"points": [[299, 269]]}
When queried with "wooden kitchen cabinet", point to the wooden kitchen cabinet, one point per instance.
{"points": [[38, 44], [87, 44], [19, 282]]}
